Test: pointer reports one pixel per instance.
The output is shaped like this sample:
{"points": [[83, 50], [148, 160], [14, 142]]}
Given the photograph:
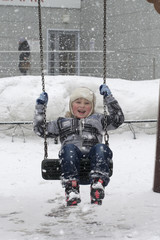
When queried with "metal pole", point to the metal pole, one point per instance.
{"points": [[156, 186]]}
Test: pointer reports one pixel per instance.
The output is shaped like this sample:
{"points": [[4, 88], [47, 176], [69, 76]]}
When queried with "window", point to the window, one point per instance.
{"points": [[63, 54]]}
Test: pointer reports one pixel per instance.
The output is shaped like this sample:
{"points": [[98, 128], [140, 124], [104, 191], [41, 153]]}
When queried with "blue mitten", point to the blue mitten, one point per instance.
{"points": [[104, 90], [43, 98]]}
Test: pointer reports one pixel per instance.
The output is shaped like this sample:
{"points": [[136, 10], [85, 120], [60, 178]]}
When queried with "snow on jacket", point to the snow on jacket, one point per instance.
{"points": [[84, 133]]}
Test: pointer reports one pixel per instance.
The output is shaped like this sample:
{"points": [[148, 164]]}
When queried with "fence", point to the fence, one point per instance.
{"points": [[55, 63], [22, 126], [84, 63]]}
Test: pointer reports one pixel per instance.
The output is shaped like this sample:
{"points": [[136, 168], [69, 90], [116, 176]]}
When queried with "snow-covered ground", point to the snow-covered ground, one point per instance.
{"points": [[32, 208]]}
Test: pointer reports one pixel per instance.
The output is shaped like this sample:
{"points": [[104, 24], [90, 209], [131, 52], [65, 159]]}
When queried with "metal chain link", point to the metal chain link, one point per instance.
{"points": [[106, 136], [42, 76], [104, 42]]}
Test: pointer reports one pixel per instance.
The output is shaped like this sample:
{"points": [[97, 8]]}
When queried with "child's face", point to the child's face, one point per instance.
{"points": [[81, 107]]}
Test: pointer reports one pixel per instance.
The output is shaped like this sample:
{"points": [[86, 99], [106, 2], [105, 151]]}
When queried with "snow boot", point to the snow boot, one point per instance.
{"points": [[72, 193], [97, 191]]}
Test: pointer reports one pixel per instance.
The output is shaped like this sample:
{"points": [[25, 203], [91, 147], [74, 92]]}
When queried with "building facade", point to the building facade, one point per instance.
{"points": [[72, 33]]}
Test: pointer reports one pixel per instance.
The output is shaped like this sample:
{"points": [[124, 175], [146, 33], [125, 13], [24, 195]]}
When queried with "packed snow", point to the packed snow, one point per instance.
{"points": [[18, 94], [33, 208]]}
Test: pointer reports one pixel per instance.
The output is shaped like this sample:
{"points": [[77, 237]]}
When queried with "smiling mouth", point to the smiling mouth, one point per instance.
{"points": [[81, 112]]}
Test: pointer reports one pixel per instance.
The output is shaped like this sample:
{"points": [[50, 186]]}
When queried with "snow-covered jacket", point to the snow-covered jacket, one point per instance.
{"points": [[84, 133]]}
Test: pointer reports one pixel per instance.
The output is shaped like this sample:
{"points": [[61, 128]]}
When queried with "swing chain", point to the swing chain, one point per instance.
{"points": [[106, 136], [41, 44], [42, 77], [104, 42]]}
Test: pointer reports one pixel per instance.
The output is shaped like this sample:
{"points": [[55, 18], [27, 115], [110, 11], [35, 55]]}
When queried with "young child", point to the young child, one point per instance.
{"points": [[81, 135]]}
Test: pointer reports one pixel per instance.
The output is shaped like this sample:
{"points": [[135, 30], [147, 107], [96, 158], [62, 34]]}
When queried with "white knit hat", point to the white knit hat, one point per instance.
{"points": [[83, 92]]}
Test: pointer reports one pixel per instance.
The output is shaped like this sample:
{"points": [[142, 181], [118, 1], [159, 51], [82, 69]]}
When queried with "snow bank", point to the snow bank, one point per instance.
{"points": [[138, 99]]}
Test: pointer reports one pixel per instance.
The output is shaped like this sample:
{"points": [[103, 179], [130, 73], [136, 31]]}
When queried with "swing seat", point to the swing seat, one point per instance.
{"points": [[51, 170]]}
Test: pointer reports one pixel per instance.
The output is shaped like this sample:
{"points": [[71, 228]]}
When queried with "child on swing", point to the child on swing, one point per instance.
{"points": [[81, 136]]}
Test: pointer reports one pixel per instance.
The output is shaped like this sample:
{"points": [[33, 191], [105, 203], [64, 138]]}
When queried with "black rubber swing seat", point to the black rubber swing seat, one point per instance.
{"points": [[51, 170]]}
